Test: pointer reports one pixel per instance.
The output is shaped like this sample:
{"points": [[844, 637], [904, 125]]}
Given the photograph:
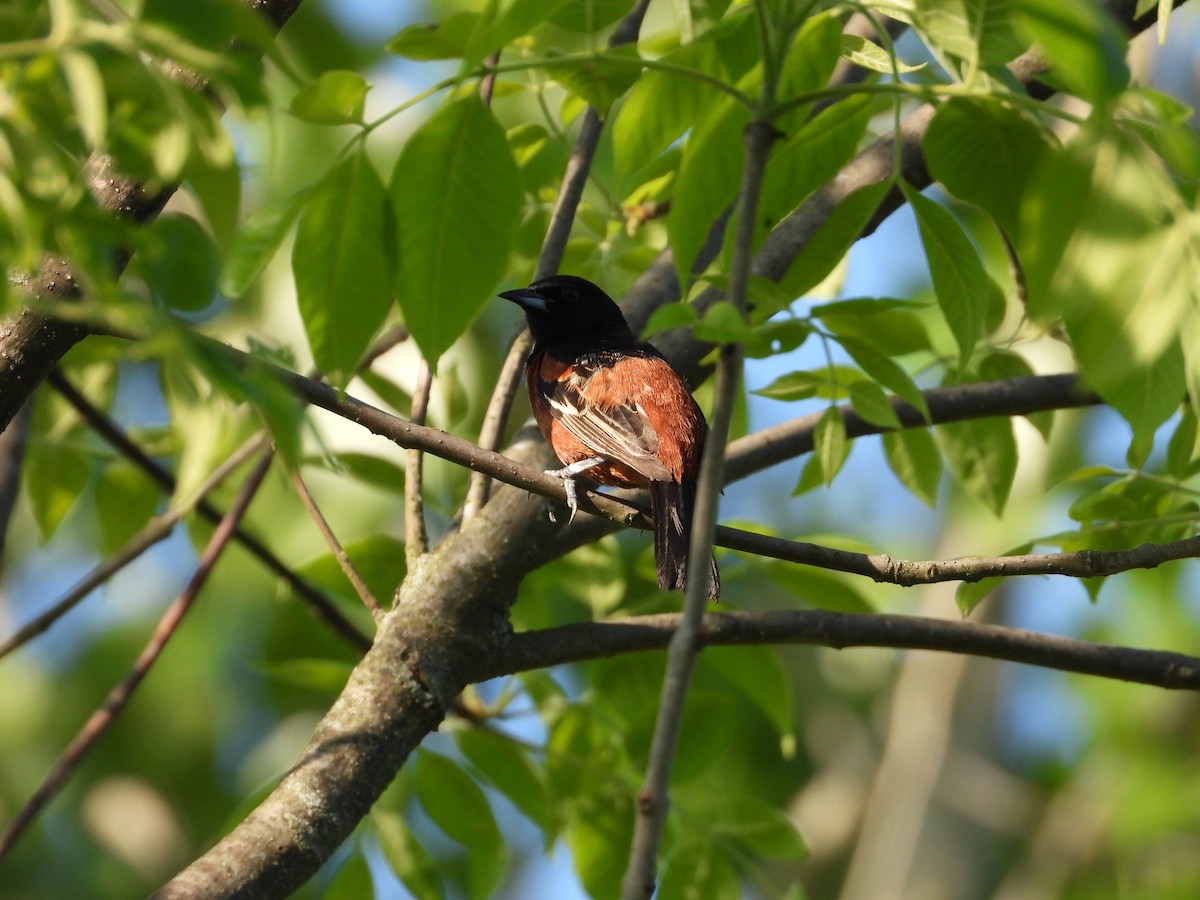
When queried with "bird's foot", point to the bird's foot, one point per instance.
{"points": [[567, 474]]}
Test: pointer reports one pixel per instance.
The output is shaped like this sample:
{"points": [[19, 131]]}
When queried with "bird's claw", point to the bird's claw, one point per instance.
{"points": [[567, 474]]}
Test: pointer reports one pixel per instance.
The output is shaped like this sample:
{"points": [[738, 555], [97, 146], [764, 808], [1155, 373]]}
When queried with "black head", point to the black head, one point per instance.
{"points": [[567, 304]]}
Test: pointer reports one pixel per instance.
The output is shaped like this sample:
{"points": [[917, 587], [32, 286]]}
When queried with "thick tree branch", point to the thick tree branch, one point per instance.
{"points": [[600, 640]]}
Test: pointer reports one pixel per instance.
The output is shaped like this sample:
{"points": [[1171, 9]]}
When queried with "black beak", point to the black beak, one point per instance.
{"points": [[526, 298]]}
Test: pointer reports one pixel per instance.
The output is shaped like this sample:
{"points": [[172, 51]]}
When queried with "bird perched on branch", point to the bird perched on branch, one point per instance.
{"points": [[614, 410]]}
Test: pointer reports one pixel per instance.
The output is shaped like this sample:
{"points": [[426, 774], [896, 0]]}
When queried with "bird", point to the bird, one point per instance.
{"points": [[615, 411]]}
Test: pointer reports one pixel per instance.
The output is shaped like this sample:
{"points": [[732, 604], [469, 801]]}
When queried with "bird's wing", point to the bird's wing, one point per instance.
{"points": [[620, 432]]}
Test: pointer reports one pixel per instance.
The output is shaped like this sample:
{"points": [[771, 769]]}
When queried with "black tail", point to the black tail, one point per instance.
{"points": [[672, 504]]}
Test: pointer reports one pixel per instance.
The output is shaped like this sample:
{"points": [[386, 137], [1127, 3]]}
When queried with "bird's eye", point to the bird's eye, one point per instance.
{"points": [[570, 294]]}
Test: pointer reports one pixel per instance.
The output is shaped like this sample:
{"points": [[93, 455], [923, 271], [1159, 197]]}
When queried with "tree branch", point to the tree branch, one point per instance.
{"points": [[601, 640], [335, 547], [416, 540]]}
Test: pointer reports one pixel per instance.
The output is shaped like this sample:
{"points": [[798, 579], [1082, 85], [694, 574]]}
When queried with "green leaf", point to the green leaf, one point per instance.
{"points": [[1118, 262], [125, 501], [808, 64], [218, 186], [392, 395], [324, 676], [539, 155], [599, 839], [378, 558], [341, 262], [757, 673], [88, 96], [834, 238], [457, 805], [811, 158], [985, 152], [970, 594], [334, 98], [830, 444], [55, 475], [964, 289], [794, 386], [913, 456], [979, 32], [498, 27], [1082, 43], [352, 881], [696, 871], [404, 854], [440, 40], [1000, 365], [663, 105], [589, 15], [707, 182], [822, 590], [811, 476], [754, 825], [723, 324], [982, 455], [870, 402], [598, 81], [704, 738], [180, 263], [510, 770], [373, 470], [884, 325], [667, 316], [457, 195], [257, 241], [1147, 396], [872, 57], [888, 373], [1164, 125]]}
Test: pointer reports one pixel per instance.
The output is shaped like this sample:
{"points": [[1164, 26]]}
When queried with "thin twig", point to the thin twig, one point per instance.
{"points": [[652, 802], [416, 540], [118, 697], [562, 217], [318, 603], [335, 547], [599, 640], [488, 83], [12, 455], [393, 337], [157, 529]]}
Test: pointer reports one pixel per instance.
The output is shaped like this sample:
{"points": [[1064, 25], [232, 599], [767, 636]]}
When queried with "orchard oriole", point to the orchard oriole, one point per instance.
{"points": [[612, 408]]}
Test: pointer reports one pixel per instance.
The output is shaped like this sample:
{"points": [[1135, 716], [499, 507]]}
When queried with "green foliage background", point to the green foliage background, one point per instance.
{"points": [[1064, 236]]}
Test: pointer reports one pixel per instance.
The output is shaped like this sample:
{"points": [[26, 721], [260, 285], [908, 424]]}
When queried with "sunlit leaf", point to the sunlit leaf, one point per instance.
{"points": [[334, 98], [342, 265], [964, 290], [982, 456], [456, 192]]}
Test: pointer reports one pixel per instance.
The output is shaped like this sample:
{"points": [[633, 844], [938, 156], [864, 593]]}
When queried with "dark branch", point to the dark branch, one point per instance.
{"points": [[599, 640]]}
